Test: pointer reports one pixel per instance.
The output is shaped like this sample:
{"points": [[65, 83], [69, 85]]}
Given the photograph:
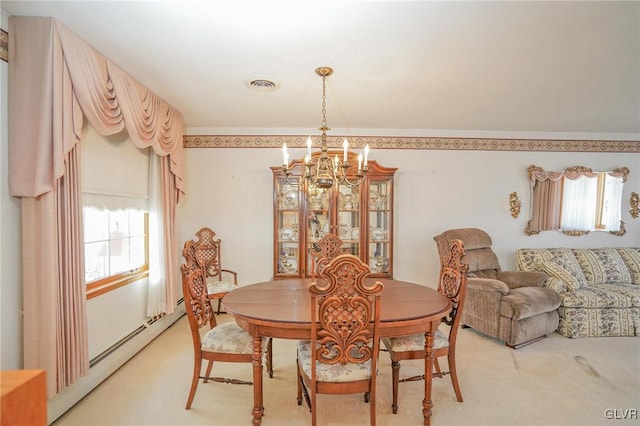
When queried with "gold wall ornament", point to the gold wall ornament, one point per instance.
{"points": [[515, 204], [634, 205], [530, 230], [576, 233], [620, 232]]}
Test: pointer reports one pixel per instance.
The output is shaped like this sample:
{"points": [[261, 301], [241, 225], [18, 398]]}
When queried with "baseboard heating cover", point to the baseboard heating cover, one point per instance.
{"points": [[107, 362]]}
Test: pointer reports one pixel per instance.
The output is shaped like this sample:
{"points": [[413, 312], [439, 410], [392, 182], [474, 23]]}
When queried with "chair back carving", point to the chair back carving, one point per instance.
{"points": [[322, 251], [345, 327], [453, 281], [194, 288], [208, 252]]}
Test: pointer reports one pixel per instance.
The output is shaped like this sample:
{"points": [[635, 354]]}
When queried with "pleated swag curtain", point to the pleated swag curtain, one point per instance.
{"points": [[55, 81]]}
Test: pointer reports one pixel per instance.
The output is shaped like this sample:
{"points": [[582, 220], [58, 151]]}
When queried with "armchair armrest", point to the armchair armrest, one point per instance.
{"points": [[234, 273], [488, 285], [515, 279], [482, 304]]}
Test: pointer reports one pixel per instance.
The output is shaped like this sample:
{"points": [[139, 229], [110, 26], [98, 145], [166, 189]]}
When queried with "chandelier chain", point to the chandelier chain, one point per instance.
{"points": [[321, 170], [324, 103]]}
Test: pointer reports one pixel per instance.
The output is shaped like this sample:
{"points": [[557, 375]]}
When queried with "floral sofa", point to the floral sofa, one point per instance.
{"points": [[600, 288]]}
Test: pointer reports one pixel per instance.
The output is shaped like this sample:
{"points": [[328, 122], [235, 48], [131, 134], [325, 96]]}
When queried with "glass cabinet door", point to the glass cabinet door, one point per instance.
{"points": [[380, 226], [348, 224], [287, 225], [319, 217], [361, 216]]}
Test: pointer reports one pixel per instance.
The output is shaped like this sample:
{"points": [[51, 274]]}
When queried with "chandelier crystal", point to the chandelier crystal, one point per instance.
{"points": [[324, 171]]}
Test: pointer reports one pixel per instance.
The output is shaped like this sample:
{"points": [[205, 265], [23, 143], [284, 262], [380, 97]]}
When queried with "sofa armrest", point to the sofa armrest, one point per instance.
{"points": [[515, 279], [487, 285]]}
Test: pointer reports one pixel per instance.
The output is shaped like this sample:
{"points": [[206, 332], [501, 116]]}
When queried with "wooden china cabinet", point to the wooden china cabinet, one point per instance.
{"points": [[362, 216]]}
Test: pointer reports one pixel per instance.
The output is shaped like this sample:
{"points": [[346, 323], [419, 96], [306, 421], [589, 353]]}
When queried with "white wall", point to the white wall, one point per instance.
{"points": [[10, 246], [230, 190]]}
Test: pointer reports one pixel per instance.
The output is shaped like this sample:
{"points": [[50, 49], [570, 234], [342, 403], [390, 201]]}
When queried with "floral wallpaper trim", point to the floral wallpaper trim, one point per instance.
{"points": [[386, 142]]}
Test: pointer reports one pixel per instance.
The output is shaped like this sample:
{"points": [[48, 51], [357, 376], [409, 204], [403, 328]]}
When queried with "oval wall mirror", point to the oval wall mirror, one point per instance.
{"points": [[576, 201]]}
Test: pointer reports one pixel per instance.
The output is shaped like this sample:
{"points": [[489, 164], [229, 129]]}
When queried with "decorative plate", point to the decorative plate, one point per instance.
{"points": [[290, 197], [293, 264], [355, 233], [373, 200], [286, 234], [378, 234]]}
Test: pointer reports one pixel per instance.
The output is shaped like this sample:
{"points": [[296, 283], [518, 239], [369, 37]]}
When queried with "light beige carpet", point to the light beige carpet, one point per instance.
{"points": [[557, 381]]}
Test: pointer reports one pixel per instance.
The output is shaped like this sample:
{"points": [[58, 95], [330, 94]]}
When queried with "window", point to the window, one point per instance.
{"points": [[116, 248]]}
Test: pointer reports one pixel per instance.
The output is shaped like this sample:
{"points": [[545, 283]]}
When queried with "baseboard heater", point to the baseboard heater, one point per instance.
{"points": [[95, 360], [107, 362]]}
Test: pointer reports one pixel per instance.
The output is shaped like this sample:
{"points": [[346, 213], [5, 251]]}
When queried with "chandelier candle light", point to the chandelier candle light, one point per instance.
{"points": [[324, 171]]}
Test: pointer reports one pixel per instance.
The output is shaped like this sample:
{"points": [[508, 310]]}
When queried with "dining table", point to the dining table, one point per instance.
{"points": [[281, 309]]}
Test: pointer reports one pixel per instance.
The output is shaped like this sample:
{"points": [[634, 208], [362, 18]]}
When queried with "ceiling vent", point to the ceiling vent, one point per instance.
{"points": [[263, 85]]}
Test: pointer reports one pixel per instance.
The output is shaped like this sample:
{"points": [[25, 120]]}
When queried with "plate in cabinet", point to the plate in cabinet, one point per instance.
{"points": [[293, 264], [355, 233], [286, 234]]}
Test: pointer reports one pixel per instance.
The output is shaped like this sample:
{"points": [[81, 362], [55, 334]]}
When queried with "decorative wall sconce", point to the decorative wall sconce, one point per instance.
{"points": [[514, 203], [634, 205]]}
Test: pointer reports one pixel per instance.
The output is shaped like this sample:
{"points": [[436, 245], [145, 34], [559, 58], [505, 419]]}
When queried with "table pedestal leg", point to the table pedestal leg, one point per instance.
{"points": [[427, 403], [258, 408]]}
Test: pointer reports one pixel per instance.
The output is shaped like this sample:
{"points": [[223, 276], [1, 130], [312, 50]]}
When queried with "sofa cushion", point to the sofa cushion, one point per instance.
{"points": [[631, 258], [602, 265], [572, 279], [525, 302], [620, 295], [567, 264]]}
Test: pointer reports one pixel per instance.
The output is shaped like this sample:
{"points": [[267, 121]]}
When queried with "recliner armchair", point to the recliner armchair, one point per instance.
{"points": [[512, 306]]}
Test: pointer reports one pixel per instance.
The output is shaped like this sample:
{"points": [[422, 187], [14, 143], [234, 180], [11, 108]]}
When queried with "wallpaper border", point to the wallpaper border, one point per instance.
{"points": [[4, 45], [426, 143]]}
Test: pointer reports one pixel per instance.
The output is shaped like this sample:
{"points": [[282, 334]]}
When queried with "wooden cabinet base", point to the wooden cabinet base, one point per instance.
{"points": [[24, 398]]}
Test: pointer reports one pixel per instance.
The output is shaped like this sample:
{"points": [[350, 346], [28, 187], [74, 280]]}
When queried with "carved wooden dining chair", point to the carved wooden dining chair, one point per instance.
{"points": [[225, 342], [342, 355], [452, 284], [323, 250], [219, 281]]}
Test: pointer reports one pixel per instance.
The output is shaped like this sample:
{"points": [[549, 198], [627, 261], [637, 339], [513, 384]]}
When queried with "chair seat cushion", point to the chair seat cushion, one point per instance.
{"points": [[217, 287], [228, 337], [526, 302], [332, 372], [415, 342]]}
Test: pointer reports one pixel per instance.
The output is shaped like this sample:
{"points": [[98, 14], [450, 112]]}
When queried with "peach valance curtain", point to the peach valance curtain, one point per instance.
{"points": [[109, 98], [55, 80]]}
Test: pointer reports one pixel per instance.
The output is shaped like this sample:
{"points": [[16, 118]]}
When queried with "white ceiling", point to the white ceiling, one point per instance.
{"points": [[402, 68]]}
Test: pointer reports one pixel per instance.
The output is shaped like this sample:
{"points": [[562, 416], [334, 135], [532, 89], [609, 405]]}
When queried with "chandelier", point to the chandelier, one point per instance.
{"points": [[324, 171]]}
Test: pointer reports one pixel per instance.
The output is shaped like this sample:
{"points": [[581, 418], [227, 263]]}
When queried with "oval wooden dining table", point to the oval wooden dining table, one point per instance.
{"points": [[281, 309]]}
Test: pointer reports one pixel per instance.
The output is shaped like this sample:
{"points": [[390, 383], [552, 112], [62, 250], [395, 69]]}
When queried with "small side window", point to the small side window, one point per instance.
{"points": [[116, 248]]}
